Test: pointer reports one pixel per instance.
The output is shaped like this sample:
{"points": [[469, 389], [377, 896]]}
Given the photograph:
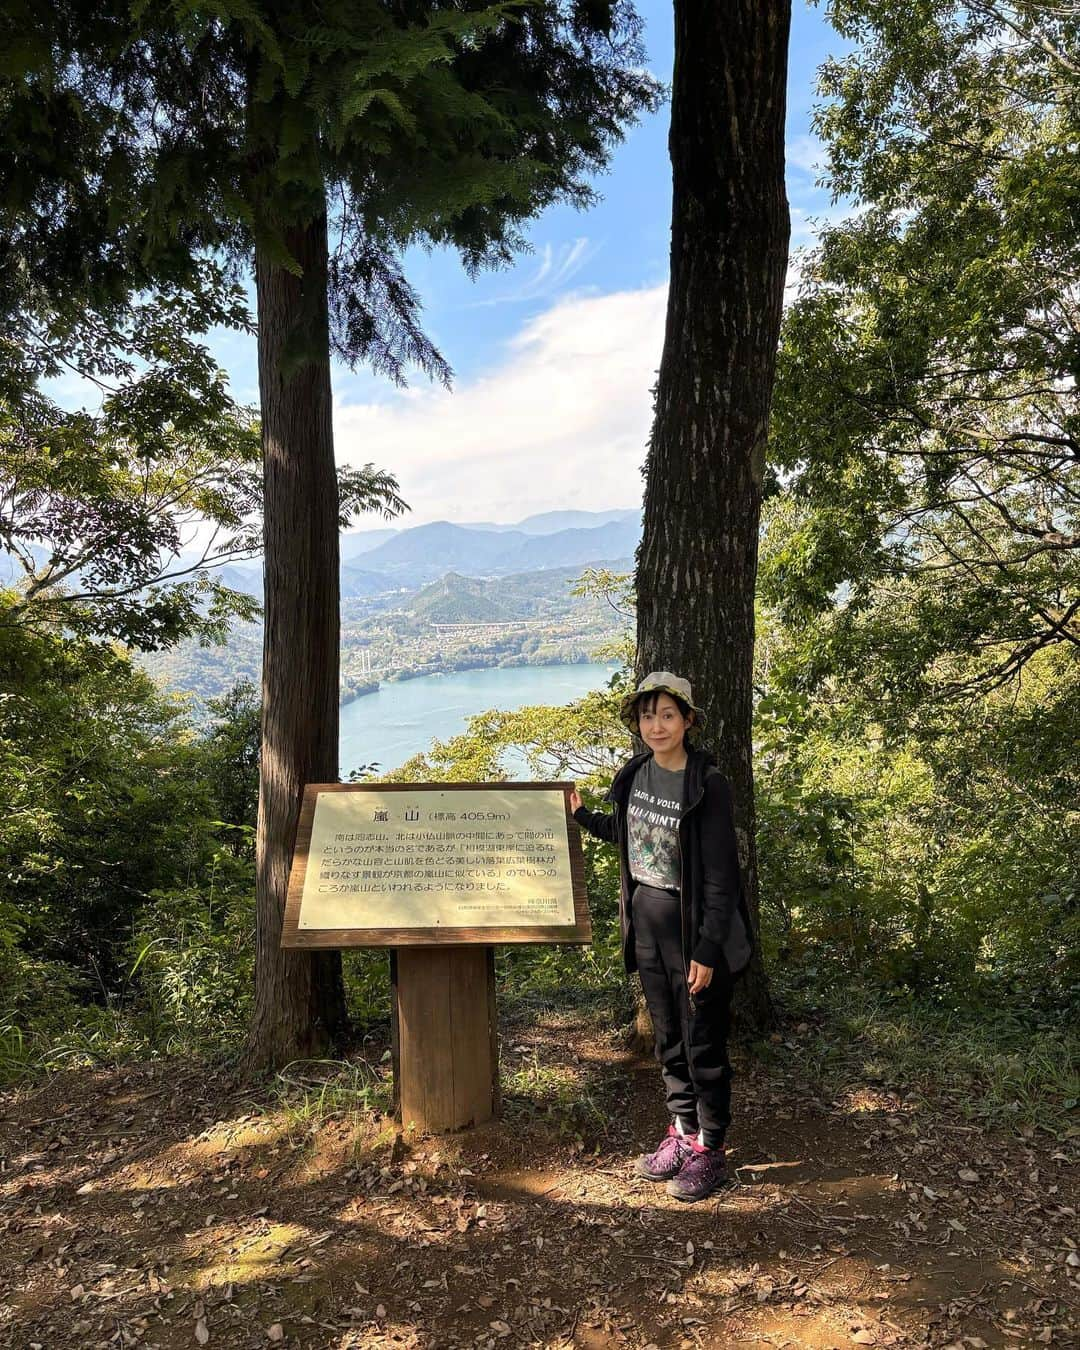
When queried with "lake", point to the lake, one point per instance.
{"points": [[402, 719]]}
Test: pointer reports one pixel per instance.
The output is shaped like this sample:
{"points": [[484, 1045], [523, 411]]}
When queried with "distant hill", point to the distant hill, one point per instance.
{"points": [[550, 522], [375, 562], [244, 577], [355, 581], [355, 542], [458, 599], [427, 551], [398, 628], [616, 540], [362, 581], [441, 545]]}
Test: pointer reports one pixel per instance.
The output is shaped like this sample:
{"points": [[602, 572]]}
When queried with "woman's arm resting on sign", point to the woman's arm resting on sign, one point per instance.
{"points": [[700, 977], [596, 822]]}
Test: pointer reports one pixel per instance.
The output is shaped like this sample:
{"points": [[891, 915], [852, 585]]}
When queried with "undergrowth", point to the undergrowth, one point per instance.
{"points": [[991, 1061], [309, 1093], [996, 1064]]}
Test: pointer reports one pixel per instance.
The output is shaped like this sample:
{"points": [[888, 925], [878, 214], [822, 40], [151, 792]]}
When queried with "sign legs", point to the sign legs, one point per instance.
{"points": [[445, 1037]]}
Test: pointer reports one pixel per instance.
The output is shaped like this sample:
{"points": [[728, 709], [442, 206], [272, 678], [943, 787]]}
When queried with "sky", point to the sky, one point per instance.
{"points": [[554, 358]]}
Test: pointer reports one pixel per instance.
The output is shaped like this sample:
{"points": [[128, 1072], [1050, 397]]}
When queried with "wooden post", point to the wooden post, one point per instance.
{"points": [[446, 1059]]}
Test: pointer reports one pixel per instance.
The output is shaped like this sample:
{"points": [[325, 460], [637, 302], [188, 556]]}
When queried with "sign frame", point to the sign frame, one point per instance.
{"points": [[293, 937]]}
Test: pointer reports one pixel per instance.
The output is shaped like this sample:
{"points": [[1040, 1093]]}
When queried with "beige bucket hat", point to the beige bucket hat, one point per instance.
{"points": [[660, 682]]}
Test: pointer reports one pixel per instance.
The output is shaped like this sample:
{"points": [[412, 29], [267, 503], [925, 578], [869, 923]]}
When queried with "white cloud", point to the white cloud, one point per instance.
{"points": [[807, 154], [556, 266], [561, 421]]}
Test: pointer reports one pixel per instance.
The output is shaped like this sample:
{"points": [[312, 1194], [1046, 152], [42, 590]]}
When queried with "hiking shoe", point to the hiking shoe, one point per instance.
{"points": [[703, 1173], [673, 1151]]}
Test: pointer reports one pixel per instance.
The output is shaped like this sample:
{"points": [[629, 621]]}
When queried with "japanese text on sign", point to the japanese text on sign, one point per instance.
{"points": [[434, 858]]}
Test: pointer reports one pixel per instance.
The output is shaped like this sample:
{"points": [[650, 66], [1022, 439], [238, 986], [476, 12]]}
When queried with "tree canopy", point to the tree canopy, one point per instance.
{"points": [[140, 139], [927, 423]]}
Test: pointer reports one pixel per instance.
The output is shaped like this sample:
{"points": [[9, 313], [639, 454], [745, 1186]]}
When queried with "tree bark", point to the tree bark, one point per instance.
{"points": [[697, 561], [299, 996]]}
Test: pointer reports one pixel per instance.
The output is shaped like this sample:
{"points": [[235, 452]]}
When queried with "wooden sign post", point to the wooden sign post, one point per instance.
{"points": [[441, 873]]}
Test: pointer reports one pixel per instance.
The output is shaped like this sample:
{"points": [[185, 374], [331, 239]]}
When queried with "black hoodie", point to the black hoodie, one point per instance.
{"points": [[715, 921]]}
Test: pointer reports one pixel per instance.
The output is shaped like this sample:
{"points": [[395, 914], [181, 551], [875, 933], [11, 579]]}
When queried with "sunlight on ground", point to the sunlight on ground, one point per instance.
{"points": [[249, 1255]]}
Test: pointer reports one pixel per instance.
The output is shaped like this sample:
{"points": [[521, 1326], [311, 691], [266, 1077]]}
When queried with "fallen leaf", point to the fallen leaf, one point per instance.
{"points": [[276, 1332], [202, 1331]]}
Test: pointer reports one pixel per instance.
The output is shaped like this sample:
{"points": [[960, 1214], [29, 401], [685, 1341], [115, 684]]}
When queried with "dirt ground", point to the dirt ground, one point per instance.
{"points": [[160, 1206]]}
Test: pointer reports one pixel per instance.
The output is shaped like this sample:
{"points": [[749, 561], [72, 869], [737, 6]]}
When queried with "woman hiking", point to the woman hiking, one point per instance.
{"points": [[685, 926]]}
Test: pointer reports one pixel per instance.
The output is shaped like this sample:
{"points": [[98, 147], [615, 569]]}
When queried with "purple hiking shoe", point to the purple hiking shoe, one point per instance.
{"points": [[665, 1162], [703, 1173]]}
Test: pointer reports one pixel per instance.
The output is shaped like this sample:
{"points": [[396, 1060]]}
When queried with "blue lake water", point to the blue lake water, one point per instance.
{"points": [[402, 719]]}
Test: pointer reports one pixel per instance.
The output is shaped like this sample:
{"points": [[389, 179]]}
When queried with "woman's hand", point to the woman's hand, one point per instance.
{"points": [[575, 800], [700, 977]]}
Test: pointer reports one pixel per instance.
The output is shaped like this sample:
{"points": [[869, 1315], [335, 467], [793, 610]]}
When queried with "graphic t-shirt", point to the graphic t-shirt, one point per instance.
{"points": [[652, 825]]}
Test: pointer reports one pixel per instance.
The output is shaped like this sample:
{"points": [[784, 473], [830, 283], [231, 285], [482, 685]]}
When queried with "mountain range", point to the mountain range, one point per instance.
{"points": [[375, 561], [380, 560]]}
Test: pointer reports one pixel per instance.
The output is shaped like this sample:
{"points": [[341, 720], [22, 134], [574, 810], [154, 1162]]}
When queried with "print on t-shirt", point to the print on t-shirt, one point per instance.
{"points": [[653, 826]]}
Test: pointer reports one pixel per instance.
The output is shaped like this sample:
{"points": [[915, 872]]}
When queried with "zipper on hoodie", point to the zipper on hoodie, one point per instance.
{"points": [[682, 925]]}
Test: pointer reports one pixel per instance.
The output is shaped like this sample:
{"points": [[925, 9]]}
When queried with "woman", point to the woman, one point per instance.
{"points": [[685, 927]]}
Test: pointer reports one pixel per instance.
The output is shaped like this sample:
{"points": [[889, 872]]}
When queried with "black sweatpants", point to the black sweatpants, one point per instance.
{"points": [[691, 1044]]}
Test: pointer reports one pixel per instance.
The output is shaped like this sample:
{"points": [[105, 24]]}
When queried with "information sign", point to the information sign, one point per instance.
{"points": [[428, 863]]}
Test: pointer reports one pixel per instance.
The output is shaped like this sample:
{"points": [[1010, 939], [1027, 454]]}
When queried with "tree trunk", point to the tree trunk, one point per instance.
{"points": [[299, 996], [730, 226]]}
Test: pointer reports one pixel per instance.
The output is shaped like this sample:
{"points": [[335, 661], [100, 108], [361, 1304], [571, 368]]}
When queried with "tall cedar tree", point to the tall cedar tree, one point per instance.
{"points": [[729, 244], [317, 140]]}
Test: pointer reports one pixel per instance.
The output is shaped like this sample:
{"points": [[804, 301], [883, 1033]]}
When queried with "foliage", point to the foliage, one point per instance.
{"points": [[192, 952], [918, 649], [116, 521], [582, 739], [989, 1062], [917, 687], [143, 140], [310, 1092], [926, 419], [936, 850], [99, 790], [97, 514], [126, 876], [254, 132], [231, 763]]}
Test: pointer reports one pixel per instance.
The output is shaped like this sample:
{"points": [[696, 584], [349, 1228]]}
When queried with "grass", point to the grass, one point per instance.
{"points": [[99, 1037], [996, 1064], [556, 1092], [311, 1092], [992, 1065]]}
